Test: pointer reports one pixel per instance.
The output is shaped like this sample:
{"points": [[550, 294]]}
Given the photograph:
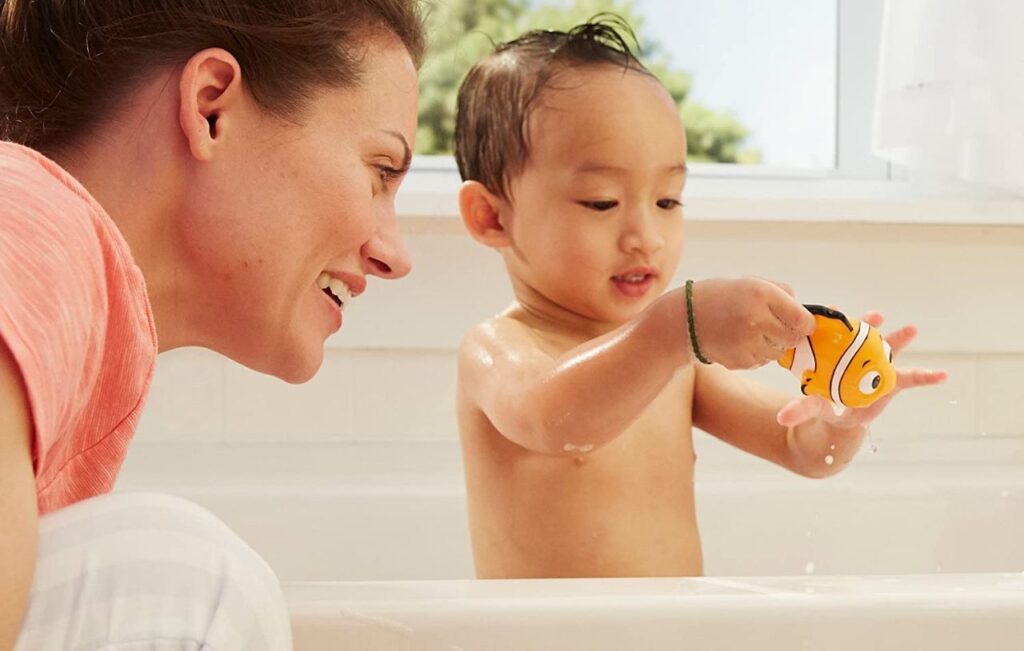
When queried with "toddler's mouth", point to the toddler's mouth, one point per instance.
{"points": [[634, 278], [635, 282], [335, 288]]}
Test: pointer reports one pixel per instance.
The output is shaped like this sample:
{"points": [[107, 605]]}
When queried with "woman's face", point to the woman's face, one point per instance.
{"points": [[284, 209]]}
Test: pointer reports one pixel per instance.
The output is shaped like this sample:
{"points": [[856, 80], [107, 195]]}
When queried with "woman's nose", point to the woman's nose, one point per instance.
{"points": [[385, 253]]}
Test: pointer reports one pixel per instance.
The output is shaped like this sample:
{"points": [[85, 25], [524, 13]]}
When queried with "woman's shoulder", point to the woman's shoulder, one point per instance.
{"points": [[25, 170], [56, 253], [38, 198], [74, 314], [48, 221]]}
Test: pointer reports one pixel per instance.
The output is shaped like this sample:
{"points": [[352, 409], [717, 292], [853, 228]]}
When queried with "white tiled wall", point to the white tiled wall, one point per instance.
{"points": [[387, 381], [1000, 395]]}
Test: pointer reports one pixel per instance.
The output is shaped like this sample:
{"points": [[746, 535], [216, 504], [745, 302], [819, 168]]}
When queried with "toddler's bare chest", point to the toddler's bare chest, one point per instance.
{"points": [[663, 427]]}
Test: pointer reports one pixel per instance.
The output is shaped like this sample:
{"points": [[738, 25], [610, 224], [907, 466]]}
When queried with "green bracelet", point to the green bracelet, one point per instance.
{"points": [[693, 330]]}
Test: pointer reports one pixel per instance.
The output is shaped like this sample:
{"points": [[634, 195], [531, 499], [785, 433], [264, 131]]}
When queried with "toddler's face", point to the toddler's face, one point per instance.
{"points": [[595, 217]]}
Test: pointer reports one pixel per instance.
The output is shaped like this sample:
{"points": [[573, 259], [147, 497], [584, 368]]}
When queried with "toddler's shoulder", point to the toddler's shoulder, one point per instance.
{"points": [[500, 333]]}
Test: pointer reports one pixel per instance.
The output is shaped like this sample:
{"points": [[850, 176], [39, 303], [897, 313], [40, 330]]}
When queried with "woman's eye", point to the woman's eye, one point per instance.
{"points": [[389, 174], [599, 206], [669, 204]]}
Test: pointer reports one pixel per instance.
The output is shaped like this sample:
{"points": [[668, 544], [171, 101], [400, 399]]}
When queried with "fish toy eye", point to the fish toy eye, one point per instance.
{"points": [[869, 383]]}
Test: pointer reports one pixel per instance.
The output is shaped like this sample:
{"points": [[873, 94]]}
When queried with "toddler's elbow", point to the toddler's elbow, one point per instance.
{"points": [[554, 430], [553, 438], [820, 470]]}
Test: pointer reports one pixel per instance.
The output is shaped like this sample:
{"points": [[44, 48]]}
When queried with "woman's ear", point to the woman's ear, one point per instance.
{"points": [[480, 210], [211, 92]]}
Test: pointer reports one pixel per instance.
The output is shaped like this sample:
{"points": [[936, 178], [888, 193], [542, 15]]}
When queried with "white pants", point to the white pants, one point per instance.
{"points": [[134, 572]]}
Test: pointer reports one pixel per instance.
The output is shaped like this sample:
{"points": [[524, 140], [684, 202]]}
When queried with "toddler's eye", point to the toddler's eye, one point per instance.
{"points": [[669, 204], [599, 206]]}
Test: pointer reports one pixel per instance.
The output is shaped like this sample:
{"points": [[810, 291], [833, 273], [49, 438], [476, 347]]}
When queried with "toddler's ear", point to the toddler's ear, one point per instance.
{"points": [[480, 214]]}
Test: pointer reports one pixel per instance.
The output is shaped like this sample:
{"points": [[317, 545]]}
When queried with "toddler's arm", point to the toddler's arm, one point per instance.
{"points": [[804, 435], [583, 399]]}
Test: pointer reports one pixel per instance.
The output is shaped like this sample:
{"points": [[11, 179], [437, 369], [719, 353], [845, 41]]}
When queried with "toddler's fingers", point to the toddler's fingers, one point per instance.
{"points": [[873, 319], [780, 340], [917, 377], [901, 338], [769, 356], [781, 285], [799, 411], [784, 287], [794, 317]]}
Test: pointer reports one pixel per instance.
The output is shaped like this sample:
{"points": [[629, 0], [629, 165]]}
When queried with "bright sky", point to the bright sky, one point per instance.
{"points": [[770, 63]]}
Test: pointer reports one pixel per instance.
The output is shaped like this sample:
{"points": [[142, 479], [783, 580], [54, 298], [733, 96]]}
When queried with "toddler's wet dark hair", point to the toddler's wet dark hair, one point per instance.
{"points": [[499, 93]]}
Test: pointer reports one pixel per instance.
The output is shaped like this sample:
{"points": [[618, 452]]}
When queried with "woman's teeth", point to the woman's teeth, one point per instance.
{"points": [[335, 288]]}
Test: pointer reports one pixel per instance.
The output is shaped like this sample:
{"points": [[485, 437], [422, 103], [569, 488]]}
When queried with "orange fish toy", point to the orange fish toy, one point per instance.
{"points": [[845, 361]]}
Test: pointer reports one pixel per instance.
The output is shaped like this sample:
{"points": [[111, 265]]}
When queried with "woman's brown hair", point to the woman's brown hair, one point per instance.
{"points": [[65, 64]]}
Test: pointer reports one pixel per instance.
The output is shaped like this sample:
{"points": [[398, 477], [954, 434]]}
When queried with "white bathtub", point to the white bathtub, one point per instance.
{"points": [[879, 557], [972, 611]]}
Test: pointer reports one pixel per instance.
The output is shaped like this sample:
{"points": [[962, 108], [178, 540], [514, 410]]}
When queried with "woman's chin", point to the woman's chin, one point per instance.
{"points": [[299, 371], [295, 366]]}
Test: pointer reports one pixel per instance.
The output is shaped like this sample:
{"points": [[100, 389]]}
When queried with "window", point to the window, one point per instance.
{"points": [[769, 66], [756, 82], [798, 77]]}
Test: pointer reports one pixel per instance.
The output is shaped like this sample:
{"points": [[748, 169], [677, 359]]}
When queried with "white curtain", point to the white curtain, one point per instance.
{"points": [[950, 97]]}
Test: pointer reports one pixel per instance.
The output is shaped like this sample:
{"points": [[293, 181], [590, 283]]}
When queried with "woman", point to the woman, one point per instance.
{"points": [[216, 173]]}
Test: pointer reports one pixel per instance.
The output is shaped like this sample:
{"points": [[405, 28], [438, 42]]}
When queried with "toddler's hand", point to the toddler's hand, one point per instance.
{"points": [[803, 409], [747, 322]]}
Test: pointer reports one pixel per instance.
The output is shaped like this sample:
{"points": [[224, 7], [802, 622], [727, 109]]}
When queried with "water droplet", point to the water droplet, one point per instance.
{"points": [[569, 447], [871, 442], [809, 568], [832, 447], [829, 459]]}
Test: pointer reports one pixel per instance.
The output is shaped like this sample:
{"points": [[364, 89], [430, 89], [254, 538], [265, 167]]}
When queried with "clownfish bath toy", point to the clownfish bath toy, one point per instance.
{"points": [[845, 360]]}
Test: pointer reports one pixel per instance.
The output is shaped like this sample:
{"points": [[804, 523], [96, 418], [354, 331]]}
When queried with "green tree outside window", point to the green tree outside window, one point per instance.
{"points": [[463, 31]]}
